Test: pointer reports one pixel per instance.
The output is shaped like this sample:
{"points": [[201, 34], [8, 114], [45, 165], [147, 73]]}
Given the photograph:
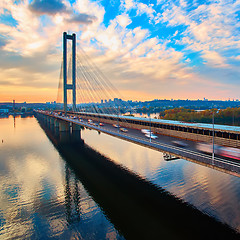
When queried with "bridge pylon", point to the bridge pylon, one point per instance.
{"points": [[71, 86]]}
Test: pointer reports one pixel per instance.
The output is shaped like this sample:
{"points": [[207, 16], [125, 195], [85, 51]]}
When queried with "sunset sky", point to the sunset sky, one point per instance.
{"points": [[147, 49]]}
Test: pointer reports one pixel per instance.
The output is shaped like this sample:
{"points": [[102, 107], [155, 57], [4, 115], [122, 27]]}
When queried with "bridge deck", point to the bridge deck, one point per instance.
{"points": [[162, 144], [228, 136]]}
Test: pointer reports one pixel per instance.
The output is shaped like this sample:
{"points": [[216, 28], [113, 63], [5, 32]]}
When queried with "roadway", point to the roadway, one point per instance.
{"points": [[161, 143]]}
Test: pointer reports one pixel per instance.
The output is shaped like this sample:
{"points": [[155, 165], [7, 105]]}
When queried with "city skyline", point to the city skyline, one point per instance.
{"points": [[147, 49]]}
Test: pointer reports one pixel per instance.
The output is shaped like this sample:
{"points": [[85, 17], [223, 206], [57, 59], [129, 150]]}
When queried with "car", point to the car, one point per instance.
{"points": [[123, 130], [230, 152], [101, 124], [146, 131], [151, 135], [180, 143], [208, 148], [116, 126]]}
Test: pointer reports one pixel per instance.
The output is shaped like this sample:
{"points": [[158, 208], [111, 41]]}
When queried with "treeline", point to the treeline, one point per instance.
{"points": [[228, 116]]}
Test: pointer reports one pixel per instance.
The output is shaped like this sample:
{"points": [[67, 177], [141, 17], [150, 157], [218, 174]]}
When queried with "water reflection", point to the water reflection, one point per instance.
{"points": [[41, 197], [72, 196], [213, 192], [136, 207]]}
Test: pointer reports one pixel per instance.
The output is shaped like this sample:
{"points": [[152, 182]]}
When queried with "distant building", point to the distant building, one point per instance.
{"points": [[23, 109], [4, 110]]}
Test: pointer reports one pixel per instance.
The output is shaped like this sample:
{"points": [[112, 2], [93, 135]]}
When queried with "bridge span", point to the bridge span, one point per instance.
{"points": [[228, 136], [131, 132]]}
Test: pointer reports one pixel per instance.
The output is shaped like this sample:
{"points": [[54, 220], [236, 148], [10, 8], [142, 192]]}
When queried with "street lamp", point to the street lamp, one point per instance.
{"points": [[150, 129], [118, 119], [233, 118], [213, 138]]}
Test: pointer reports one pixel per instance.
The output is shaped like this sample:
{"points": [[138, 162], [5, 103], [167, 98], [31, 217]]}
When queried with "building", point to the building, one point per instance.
{"points": [[4, 110]]}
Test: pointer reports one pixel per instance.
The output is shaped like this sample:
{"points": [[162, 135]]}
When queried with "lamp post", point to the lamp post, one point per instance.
{"points": [[233, 118], [213, 138], [150, 129], [118, 120]]}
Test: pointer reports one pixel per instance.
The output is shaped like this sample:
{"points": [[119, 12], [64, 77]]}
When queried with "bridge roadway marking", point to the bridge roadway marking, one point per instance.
{"points": [[197, 157]]}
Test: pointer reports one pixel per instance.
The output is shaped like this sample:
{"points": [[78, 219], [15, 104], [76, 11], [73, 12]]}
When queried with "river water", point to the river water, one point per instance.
{"points": [[50, 191]]}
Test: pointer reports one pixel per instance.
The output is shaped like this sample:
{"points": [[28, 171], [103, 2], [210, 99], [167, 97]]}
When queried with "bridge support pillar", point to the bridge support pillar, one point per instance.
{"points": [[76, 132], [64, 131], [44, 118], [52, 124], [48, 121], [56, 127]]}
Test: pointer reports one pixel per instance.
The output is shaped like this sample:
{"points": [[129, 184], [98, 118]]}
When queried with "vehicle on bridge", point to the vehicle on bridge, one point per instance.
{"points": [[145, 131], [116, 125], [180, 143], [151, 135], [208, 148], [123, 130], [230, 152], [219, 150]]}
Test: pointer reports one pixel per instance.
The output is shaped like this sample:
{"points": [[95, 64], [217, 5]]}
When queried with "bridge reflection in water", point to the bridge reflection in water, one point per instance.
{"points": [[136, 207]]}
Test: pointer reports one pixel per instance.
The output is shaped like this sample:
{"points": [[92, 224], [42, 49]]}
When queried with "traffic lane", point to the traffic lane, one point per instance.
{"points": [[190, 145], [138, 134], [161, 138]]}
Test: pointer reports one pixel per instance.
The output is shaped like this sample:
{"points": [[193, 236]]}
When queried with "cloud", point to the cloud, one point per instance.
{"points": [[3, 42], [123, 20], [141, 8], [50, 7], [211, 29], [134, 59], [237, 57], [128, 4], [214, 59], [82, 18], [145, 9]]}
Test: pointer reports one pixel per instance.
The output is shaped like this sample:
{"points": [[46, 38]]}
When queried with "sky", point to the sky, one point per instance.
{"points": [[158, 49]]}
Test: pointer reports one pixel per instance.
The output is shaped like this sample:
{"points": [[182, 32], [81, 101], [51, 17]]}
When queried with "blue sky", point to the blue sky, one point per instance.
{"points": [[147, 49]]}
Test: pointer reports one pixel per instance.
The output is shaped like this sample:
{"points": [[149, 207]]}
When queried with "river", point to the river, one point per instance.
{"points": [[51, 191]]}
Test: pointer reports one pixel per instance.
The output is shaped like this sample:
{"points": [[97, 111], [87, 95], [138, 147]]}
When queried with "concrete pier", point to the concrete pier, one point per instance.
{"points": [[76, 132], [56, 127], [64, 131], [51, 124]]}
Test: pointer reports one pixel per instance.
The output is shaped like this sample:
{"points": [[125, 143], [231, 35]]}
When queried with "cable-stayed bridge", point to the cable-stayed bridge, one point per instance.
{"points": [[82, 92]]}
